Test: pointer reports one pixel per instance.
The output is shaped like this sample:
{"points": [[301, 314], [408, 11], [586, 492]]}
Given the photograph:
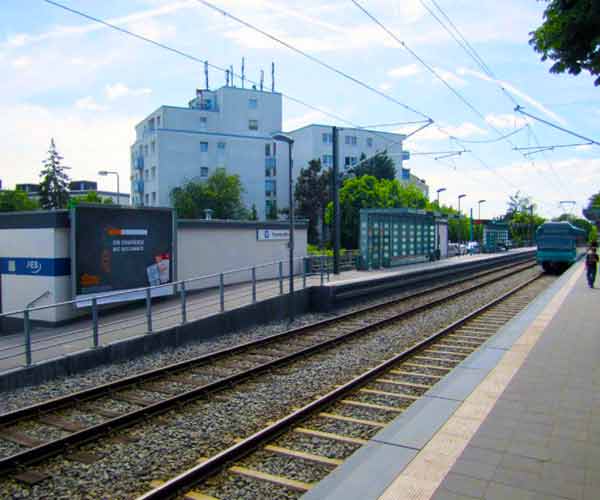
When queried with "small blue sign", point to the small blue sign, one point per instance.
{"points": [[34, 266]]}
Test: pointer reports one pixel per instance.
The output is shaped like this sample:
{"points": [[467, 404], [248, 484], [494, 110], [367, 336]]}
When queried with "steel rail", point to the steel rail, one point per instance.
{"points": [[51, 448], [190, 478]]}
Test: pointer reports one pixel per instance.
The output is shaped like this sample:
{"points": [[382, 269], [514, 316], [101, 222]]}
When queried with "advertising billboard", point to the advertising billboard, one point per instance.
{"points": [[118, 249]]}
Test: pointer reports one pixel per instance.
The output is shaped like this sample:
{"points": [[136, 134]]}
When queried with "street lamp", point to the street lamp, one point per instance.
{"points": [[479, 209], [459, 197], [290, 143], [440, 190], [459, 214], [112, 172]]}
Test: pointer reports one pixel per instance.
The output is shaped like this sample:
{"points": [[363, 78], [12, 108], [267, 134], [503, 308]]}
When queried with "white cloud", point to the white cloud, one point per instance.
{"points": [[507, 120], [385, 86], [404, 71], [450, 77], [88, 141], [514, 90], [305, 119], [89, 104], [22, 62], [584, 147], [119, 89]]}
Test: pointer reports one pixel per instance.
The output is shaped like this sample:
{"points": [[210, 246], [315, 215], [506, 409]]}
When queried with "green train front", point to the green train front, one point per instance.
{"points": [[557, 245]]}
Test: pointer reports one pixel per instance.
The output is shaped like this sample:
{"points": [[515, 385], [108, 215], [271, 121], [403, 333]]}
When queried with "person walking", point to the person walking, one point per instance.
{"points": [[591, 265]]}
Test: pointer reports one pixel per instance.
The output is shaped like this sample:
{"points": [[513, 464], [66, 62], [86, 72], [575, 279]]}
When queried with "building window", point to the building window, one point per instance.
{"points": [[146, 150], [221, 146], [369, 142], [267, 150], [154, 197], [204, 147], [350, 140], [153, 172], [157, 121], [350, 161], [327, 138], [153, 146], [252, 124], [252, 103], [203, 121], [328, 160], [270, 187], [203, 171], [147, 199], [146, 173]]}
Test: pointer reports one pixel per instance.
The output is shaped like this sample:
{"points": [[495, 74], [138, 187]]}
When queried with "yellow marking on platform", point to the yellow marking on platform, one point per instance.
{"points": [[272, 478], [415, 374], [330, 435], [371, 405], [304, 455], [407, 384], [334, 416], [422, 477], [389, 394], [428, 367]]}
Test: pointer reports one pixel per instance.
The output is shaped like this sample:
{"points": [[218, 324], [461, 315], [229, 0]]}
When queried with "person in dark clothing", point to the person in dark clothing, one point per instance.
{"points": [[591, 265]]}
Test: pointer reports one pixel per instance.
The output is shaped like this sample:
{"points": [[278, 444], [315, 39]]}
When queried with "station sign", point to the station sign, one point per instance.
{"points": [[120, 249], [272, 234]]}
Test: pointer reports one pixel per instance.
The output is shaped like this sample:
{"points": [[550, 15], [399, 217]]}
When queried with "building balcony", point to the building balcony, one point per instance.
{"points": [[139, 162], [138, 186]]}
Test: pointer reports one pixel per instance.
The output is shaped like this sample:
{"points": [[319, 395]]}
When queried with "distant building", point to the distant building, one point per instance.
{"points": [[77, 188], [230, 127], [315, 142]]}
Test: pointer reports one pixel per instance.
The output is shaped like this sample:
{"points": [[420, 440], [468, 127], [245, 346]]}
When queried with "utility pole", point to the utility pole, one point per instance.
{"points": [[336, 201]]}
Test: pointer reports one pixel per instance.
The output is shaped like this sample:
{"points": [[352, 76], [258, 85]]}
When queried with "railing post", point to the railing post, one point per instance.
{"points": [[321, 268], [303, 272], [222, 291], [27, 328], [149, 310], [327, 267], [280, 277], [95, 336], [254, 285], [183, 303]]}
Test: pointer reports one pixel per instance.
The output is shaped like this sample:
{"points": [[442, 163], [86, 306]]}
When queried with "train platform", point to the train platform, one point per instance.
{"points": [[118, 326], [519, 419]]}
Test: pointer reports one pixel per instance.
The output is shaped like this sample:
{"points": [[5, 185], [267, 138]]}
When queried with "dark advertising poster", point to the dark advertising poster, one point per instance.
{"points": [[120, 249]]}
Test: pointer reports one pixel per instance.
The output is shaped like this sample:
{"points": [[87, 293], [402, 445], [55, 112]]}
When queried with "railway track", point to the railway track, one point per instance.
{"points": [[88, 415], [288, 457]]}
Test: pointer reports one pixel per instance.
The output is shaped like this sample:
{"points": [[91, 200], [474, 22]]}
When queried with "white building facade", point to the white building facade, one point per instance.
{"points": [[316, 142], [229, 128]]}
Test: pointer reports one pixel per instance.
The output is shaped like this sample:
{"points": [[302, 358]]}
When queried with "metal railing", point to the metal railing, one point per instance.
{"points": [[159, 307]]}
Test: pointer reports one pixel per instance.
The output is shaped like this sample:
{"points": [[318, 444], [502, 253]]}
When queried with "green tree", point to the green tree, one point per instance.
{"points": [[594, 201], [54, 187], [221, 192], [370, 192], [518, 203], [312, 195], [380, 166], [570, 36], [16, 201], [91, 197], [253, 213]]}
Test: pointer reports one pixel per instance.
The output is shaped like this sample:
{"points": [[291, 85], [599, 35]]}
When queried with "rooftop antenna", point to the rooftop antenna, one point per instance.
{"points": [[272, 77], [262, 79], [206, 73], [232, 75], [227, 78], [243, 72]]}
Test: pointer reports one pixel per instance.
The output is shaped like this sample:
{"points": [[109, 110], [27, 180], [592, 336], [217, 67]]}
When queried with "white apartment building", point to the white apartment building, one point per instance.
{"points": [[230, 127], [316, 142]]}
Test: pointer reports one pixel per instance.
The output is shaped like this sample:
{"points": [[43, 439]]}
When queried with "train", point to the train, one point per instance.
{"points": [[557, 245]]}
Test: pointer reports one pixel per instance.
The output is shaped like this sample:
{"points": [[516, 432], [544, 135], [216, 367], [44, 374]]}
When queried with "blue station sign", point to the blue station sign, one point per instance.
{"points": [[34, 266]]}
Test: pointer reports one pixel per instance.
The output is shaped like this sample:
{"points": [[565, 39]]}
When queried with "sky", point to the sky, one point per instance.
{"points": [[87, 86]]}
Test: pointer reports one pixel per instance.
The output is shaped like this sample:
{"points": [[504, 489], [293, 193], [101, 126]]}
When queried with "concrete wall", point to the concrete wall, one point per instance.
{"points": [[208, 247]]}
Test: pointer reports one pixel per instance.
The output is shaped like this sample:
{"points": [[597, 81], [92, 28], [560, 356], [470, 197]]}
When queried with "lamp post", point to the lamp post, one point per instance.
{"points": [[479, 209], [290, 143], [112, 172], [440, 190], [459, 214]]}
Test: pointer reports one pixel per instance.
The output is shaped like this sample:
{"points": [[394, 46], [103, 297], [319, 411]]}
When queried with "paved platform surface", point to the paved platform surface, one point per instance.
{"points": [[520, 419], [50, 343]]}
